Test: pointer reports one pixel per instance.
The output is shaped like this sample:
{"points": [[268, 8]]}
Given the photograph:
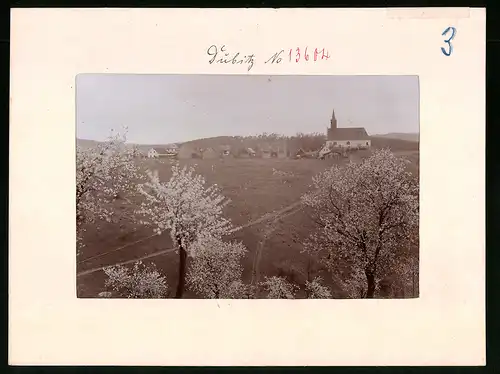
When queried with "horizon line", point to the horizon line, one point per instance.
{"points": [[234, 136]]}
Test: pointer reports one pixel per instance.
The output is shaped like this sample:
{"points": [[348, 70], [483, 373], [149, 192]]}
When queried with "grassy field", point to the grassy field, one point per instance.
{"points": [[264, 200]]}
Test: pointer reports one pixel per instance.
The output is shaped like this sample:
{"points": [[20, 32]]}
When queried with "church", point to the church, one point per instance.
{"points": [[346, 137]]}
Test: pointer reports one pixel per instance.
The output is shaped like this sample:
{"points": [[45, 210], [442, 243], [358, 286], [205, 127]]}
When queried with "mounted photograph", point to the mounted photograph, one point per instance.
{"points": [[247, 186]]}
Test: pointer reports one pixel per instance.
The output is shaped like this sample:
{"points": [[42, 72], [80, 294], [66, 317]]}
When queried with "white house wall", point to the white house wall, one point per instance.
{"points": [[152, 154], [349, 143]]}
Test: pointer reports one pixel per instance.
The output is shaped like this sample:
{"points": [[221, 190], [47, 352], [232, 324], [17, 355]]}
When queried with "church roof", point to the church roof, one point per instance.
{"points": [[348, 133]]}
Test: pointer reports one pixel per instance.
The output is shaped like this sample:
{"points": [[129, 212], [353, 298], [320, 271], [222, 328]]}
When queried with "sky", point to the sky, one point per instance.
{"points": [[159, 109]]}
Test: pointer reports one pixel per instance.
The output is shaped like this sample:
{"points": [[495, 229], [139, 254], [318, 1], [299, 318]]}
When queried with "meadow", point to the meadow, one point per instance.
{"points": [[265, 207]]}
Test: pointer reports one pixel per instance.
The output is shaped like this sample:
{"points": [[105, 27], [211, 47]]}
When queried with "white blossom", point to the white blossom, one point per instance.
{"points": [[353, 282], [315, 290], [282, 173], [279, 288], [215, 270], [186, 208], [140, 282], [366, 213], [105, 294], [103, 173], [407, 270]]}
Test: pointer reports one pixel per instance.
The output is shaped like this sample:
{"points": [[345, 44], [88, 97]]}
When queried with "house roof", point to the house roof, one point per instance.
{"points": [[225, 147], [348, 133], [164, 150], [159, 150], [250, 150]]}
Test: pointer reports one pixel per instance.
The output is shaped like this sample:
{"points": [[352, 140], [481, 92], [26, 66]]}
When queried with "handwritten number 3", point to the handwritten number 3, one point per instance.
{"points": [[448, 41]]}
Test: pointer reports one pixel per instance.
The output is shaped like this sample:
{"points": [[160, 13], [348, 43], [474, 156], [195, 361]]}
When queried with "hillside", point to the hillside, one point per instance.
{"points": [[86, 143], [378, 141], [198, 143], [213, 142], [394, 144], [413, 137], [235, 142]]}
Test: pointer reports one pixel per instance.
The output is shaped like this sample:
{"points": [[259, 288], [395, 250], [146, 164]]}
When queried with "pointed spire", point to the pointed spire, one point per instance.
{"points": [[333, 121]]}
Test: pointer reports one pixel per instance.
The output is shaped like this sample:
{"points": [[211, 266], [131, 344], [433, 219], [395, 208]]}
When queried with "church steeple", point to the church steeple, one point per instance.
{"points": [[333, 121], [333, 126]]}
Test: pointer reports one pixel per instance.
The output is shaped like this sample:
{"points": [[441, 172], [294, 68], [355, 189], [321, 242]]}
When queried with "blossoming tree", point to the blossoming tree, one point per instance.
{"points": [[186, 208], [102, 173], [279, 288], [315, 290], [215, 271], [140, 282], [366, 213]]}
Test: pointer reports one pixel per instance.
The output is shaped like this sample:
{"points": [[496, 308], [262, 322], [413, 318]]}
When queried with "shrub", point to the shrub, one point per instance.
{"points": [[140, 282], [315, 290], [279, 288], [215, 270]]}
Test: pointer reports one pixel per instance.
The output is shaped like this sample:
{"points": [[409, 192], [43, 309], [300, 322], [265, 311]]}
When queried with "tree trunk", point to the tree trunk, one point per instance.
{"points": [[182, 273], [370, 280]]}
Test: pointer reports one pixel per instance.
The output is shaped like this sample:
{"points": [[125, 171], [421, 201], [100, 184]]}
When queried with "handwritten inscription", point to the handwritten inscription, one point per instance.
{"points": [[221, 56], [296, 55], [448, 41], [276, 58]]}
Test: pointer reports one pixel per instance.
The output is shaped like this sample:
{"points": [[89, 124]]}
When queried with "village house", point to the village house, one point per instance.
{"points": [[246, 153], [251, 152], [225, 150], [346, 137], [170, 150], [156, 152], [300, 153]]}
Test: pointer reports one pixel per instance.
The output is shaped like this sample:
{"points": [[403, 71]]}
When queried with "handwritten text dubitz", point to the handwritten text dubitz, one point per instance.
{"points": [[296, 55]]}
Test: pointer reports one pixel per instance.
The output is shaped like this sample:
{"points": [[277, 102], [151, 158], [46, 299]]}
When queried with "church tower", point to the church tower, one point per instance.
{"points": [[333, 121], [333, 126]]}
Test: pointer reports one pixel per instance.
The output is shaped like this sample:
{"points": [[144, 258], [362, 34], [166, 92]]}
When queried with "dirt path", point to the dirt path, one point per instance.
{"points": [[155, 254], [258, 253], [274, 216], [269, 216], [266, 233]]}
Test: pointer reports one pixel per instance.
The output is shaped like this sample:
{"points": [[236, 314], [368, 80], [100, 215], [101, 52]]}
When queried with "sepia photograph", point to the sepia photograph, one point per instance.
{"points": [[247, 186], [304, 211]]}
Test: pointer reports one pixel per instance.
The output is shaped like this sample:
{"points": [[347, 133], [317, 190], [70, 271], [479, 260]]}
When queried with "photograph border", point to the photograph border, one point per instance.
{"points": [[447, 322]]}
